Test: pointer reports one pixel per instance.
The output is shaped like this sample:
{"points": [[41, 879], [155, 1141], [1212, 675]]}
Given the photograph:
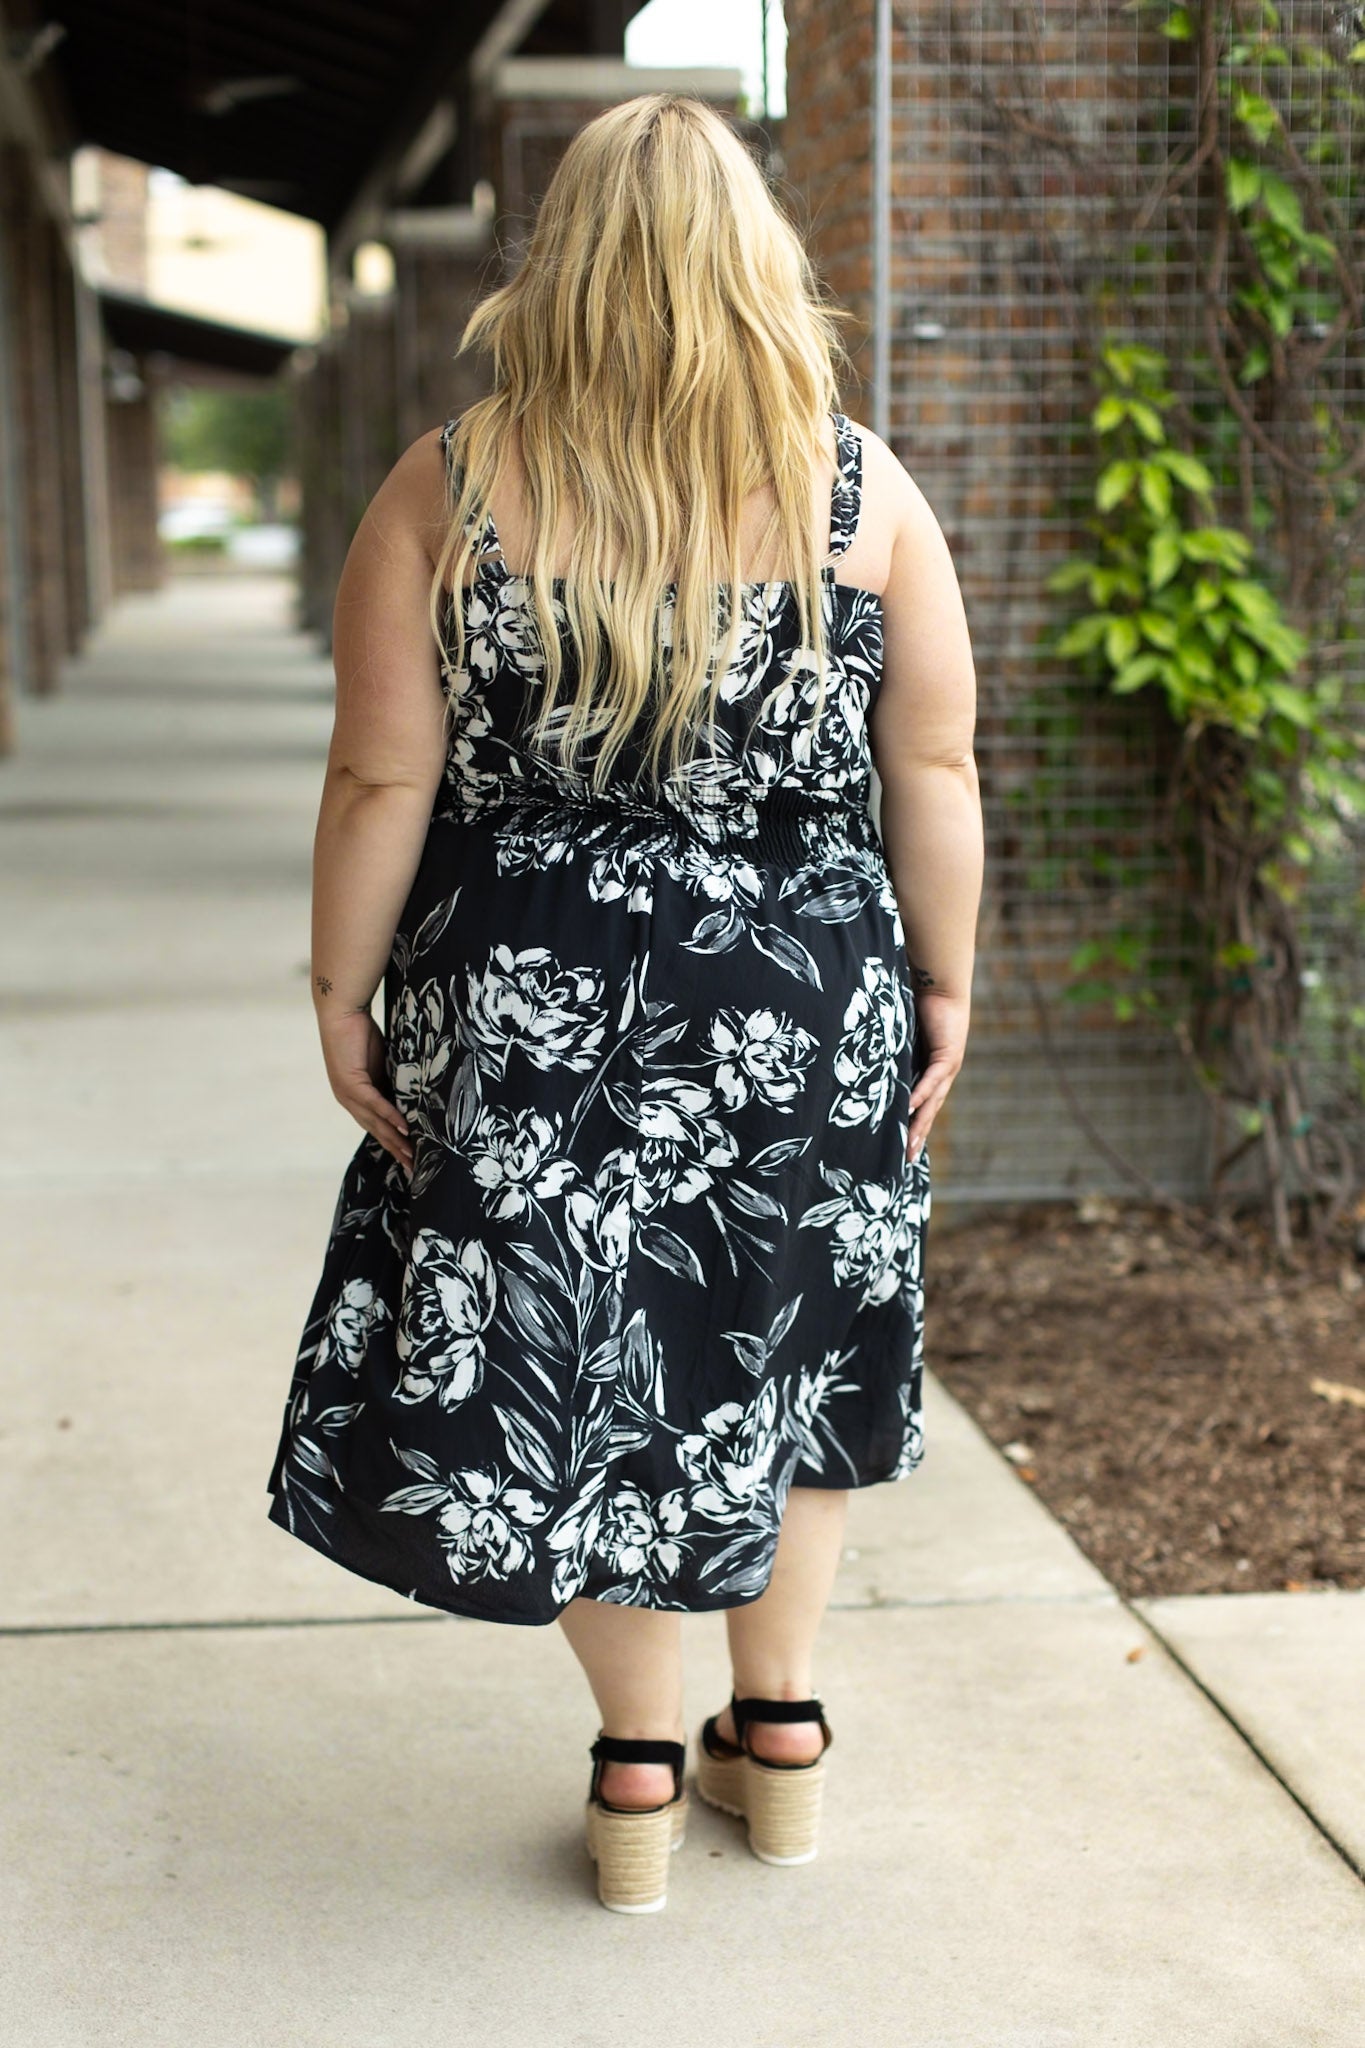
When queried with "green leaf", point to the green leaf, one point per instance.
{"points": [[1217, 544], [1243, 182], [1282, 203], [1159, 628], [1177, 26], [1134, 674], [1114, 483], [1255, 114], [1281, 317], [1121, 641], [1163, 557], [1252, 600], [1070, 576], [1155, 487], [1256, 364], [1111, 412], [1186, 469], [1292, 704], [1245, 660], [1147, 420], [1085, 635]]}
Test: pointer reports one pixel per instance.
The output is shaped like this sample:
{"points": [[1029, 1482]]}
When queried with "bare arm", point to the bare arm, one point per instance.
{"points": [[384, 765], [921, 731]]}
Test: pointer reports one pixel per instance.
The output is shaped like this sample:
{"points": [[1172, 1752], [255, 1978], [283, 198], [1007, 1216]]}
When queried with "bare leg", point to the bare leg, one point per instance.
{"points": [[772, 1639], [633, 1660]]}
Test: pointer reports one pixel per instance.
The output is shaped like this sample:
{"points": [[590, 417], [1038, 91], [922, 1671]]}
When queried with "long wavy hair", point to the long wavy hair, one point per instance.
{"points": [[664, 349]]}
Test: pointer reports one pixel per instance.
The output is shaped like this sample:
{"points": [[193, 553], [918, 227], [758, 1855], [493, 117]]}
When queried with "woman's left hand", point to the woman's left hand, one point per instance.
{"points": [[354, 1050]]}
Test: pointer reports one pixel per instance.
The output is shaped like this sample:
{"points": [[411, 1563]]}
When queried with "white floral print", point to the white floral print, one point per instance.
{"points": [[661, 1254]]}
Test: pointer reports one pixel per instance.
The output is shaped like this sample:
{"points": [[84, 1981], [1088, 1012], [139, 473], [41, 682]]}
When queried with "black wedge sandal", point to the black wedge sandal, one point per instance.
{"points": [[631, 1844], [780, 1802]]}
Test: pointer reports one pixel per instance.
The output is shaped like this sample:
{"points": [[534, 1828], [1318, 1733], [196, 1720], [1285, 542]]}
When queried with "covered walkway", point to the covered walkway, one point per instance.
{"points": [[256, 1800]]}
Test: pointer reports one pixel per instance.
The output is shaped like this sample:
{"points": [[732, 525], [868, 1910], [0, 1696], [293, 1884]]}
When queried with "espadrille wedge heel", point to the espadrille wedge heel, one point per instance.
{"points": [[631, 1845], [780, 1802]]}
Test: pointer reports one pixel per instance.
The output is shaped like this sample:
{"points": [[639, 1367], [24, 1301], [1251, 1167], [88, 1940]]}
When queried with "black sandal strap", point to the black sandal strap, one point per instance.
{"points": [[638, 1749], [774, 1710], [744, 1711]]}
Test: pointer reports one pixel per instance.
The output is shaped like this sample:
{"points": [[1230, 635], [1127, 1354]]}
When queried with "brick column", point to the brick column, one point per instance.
{"points": [[827, 148]]}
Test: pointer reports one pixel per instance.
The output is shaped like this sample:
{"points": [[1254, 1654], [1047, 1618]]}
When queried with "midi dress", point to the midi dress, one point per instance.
{"points": [[660, 1257]]}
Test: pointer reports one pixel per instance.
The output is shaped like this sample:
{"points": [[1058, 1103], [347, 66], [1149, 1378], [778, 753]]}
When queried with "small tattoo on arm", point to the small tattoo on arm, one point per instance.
{"points": [[324, 984], [921, 978]]}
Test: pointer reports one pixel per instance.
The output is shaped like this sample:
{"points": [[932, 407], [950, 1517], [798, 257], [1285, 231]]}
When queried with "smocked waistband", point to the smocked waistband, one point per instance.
{"points": [[790, 828]]}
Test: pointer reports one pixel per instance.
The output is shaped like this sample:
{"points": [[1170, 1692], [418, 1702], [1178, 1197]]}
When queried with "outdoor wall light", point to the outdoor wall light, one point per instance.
{"points": [[372, 271]]}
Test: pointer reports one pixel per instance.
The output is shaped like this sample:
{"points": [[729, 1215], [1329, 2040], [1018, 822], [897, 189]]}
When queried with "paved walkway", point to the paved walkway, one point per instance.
{"points": [[254, 1800]]}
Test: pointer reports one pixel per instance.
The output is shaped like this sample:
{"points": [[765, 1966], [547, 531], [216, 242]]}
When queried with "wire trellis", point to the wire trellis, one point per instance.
{"points": [[1028, 149]]}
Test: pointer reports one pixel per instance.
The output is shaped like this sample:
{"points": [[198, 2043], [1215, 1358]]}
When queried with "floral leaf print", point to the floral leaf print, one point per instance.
{"points": [[670, 1251], [312, 1458], [740, 1567], [416, 1461], [866, 1064], [526, 1447], [787, 951], [337, 1419], [755, 1353], [774, 1157], [463, 1103], [448, 1298], [834, 895], [434, 924], [717, 932], [762, 1056], [642, 1365], [532, 1315], [752, 1201]]}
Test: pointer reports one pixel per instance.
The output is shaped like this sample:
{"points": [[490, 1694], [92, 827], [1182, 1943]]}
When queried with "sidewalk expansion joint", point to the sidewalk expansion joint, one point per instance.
{"points": [[15, 1630], [1267, 1762]]}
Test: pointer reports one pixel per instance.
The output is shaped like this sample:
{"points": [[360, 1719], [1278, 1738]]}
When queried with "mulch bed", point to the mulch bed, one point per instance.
{"points": [[1158, 1391]]}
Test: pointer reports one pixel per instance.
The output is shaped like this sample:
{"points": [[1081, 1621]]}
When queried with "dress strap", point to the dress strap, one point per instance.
{"points": [[846, 498], [488, 542]]}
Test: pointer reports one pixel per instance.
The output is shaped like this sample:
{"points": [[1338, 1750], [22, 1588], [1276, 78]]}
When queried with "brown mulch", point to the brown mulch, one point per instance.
{"points": [[1158, 1391]]}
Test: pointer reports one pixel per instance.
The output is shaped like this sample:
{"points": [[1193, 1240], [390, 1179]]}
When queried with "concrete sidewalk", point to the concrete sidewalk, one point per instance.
{"points": [[254, 1800]]}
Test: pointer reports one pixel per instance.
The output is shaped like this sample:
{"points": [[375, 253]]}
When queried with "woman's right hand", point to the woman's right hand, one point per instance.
{"points": [[942, 1024], [353, 1048]]}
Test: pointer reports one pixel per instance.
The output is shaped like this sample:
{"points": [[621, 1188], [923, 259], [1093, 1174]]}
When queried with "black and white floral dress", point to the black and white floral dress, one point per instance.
{"points": [[660, 1256]]}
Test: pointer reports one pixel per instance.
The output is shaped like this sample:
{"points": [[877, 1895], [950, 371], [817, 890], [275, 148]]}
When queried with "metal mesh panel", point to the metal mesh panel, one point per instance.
{"points": [[1019, 135]]}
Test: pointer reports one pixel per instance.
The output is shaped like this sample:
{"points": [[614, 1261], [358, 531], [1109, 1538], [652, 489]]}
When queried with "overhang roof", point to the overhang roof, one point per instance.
{"points": [[139, 325], [292, 103]]}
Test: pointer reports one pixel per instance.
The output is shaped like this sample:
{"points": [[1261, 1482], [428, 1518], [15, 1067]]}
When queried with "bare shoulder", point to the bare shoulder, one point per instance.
{"points": [[927, 701], [890, 493], [408, 510]]}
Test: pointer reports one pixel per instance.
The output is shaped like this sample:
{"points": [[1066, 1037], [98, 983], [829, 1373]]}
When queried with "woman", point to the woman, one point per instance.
{"points": [[624, 1281]]}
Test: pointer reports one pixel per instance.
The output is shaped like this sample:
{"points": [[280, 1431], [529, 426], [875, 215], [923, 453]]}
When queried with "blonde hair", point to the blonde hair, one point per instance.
{"points": [[663, 350]]}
